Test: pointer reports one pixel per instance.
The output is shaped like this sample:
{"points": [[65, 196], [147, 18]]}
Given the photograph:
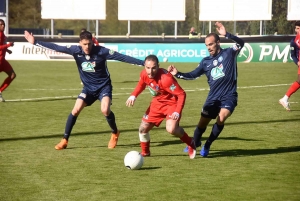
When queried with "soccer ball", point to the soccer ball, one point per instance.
{"points": [[133, 160], [165, 59]]}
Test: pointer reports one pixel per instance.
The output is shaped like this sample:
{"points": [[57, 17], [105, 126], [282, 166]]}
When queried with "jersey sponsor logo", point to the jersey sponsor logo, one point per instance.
{"points": [[111, 52], [217, 72], [153, 92], [83, 95], [88, 66], [172, 87]]}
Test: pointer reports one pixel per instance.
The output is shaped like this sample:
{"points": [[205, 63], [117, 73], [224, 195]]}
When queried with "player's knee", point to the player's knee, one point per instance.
{"points": [[105, 111], [75, 112], [170, 129], [13, 76]]}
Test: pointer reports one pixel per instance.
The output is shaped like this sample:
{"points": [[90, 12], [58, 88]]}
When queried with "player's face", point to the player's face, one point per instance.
{"points": [[297, 29], [151, 68], [2, 26], [86, 45], [212, 46]]}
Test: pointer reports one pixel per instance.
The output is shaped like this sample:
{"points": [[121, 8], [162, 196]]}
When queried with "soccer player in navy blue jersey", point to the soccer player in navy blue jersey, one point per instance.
{"points": [[91, 62], [220, 69]]}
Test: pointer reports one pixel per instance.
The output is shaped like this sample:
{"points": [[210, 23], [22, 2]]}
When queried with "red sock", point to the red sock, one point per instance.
{"points": [[186, 139], [5, 84], [293, 88], [145, 147]]}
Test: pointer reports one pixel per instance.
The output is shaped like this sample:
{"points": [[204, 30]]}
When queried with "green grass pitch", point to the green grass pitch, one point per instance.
{"points": [[256, 157]]}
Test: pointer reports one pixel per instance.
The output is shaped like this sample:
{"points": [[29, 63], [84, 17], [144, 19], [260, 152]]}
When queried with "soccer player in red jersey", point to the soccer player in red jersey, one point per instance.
{"points": [[4, 65], [295, 54], [167, 103]]}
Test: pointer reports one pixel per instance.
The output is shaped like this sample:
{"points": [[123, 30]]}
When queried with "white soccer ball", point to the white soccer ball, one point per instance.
{"points": [[133, 160], [165, 59]]}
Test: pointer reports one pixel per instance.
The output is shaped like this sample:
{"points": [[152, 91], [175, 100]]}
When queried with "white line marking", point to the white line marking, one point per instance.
{"points": [[120, 94]]}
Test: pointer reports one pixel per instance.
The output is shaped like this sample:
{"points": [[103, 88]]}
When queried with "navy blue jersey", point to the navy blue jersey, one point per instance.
{"points": [[93, 67], [220, 70], [295, 51]]}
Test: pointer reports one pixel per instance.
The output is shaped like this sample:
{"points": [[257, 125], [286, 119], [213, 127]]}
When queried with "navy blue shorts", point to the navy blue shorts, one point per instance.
{"points": [[89, 98], [211, 108]]}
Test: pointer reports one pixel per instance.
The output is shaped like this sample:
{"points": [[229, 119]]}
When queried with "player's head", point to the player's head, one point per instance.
{"points": [[212, 42], [86, 41], [297, 27], [151, 65], [2, 25]]}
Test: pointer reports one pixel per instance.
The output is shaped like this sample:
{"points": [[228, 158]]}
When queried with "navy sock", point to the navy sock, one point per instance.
{"points": [[198, 135], [112, 122], [69, 125], [216, 130]]}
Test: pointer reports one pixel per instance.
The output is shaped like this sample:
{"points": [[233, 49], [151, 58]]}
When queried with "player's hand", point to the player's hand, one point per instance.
{"points": [[11, 44], [130, 101], [29, 37], [220, 28], [172, 69], [8, 51], [175, 116]]}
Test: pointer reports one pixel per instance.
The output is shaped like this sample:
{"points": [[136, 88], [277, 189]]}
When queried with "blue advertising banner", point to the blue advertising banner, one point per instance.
{"points": [[180, 52]]}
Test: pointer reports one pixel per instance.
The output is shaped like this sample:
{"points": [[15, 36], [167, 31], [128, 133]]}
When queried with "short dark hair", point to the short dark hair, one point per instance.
{"points": [[2, 21], [152, 57], [83, 29], [216, 36], [85, 35], [297, 23]]}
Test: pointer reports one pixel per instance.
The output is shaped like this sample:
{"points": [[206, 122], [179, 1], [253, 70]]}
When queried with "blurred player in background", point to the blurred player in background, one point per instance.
{"points": [[295, 54], [220, 69], [4, 65], [91, 63], [167, 103]]}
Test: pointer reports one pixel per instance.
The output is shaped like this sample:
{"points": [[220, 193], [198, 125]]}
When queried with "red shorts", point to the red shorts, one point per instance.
{"points": [[156, 113], [5, 66]]}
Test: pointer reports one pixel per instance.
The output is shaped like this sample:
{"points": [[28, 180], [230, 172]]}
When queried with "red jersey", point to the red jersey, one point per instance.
{"points": [[164, 88], [3, 46], [297, 41], [95, 41]]}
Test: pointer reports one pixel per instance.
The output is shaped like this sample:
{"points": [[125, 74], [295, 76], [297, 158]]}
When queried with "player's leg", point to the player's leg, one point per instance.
{"points": [[227, 108], [284, 101], [172, 126], [11, 75], [144, 137], [78, 107]]}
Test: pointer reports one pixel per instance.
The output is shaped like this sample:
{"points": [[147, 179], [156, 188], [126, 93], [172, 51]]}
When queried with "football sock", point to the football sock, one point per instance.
{"points": [[145, 146], [293, 88], [69, 125], [186, 139], [5, 84], [216, 130], [198, 135], [112, 122]]}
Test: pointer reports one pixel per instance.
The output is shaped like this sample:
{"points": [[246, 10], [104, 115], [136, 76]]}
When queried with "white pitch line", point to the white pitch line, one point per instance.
{"points": [[118, 94]]}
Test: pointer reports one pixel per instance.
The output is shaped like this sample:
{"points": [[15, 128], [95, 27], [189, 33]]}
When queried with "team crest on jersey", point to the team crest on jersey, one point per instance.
{"points": [[111, 52], [88, 66], [172, 87], [215, 62], [68, 46], [220, 59], [87, 57], [217, 72]]}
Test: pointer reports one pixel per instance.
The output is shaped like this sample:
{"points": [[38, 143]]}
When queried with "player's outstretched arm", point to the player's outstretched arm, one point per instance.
{"points": [[29, 37], [220, 28]]}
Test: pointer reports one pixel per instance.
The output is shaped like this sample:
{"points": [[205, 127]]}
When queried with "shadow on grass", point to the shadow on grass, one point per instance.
{"points": [[136, 130], [252, 152]]}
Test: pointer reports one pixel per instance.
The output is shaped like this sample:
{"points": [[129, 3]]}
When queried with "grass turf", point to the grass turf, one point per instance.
{"points": [[256, 156]]}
